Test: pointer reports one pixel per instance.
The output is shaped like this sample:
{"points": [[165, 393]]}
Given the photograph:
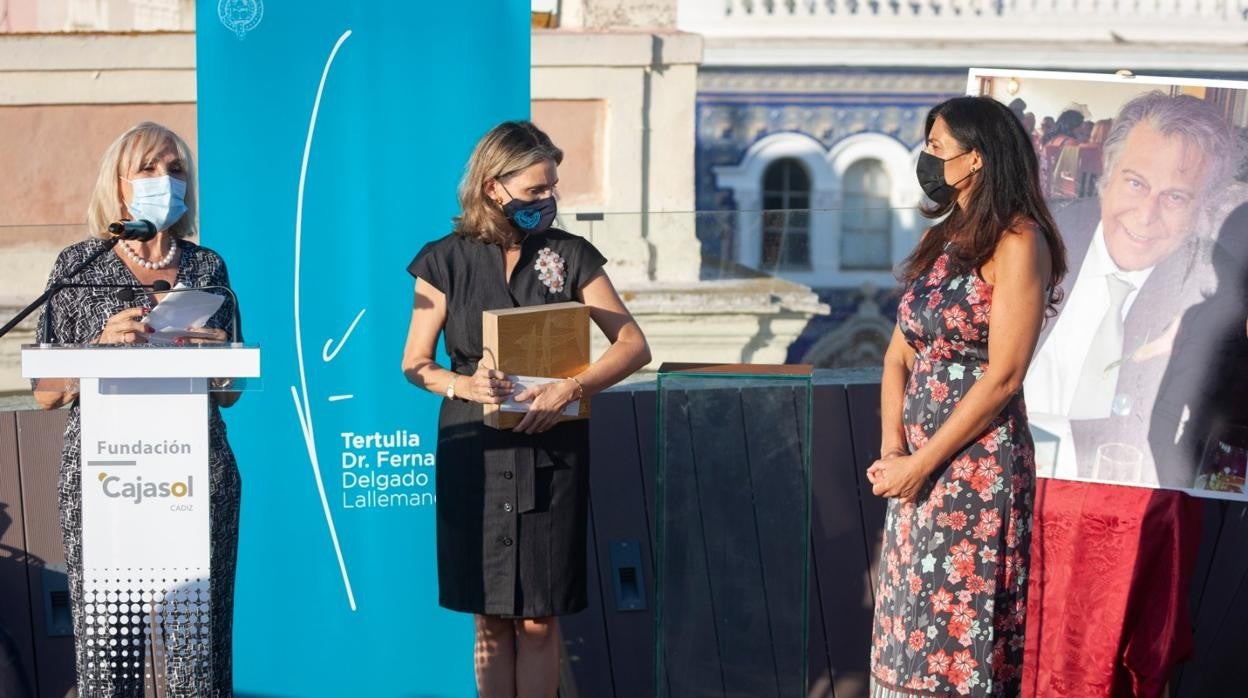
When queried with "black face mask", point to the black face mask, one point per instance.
{"points": [[530, 216], [931, 173]]}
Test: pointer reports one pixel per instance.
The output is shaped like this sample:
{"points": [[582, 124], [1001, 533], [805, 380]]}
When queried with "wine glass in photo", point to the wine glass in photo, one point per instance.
{"points": [[1117, 462]]}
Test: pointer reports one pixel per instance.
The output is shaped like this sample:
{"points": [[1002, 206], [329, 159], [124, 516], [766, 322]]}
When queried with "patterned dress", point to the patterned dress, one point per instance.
{"points": [[951, 597], [78, 315]]}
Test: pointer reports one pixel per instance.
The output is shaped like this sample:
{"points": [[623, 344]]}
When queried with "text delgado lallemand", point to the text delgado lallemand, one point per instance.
{"points": [[384, 470]]}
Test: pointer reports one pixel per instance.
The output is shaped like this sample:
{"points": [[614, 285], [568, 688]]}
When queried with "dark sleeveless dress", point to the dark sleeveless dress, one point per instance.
{"points": [[512, 508], [951, 598]]}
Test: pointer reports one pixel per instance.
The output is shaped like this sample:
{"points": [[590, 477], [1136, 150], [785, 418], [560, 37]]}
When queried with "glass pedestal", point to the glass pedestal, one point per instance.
{"points": [[733, 522]]}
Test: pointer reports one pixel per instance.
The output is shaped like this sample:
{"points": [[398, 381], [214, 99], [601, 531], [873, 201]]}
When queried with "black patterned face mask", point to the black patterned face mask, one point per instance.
{"points": [[931, 173], [531, 216]]}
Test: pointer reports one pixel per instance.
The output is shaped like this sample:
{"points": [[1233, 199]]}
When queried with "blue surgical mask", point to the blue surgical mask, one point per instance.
{"points": [[160, 200], [530, 216]]}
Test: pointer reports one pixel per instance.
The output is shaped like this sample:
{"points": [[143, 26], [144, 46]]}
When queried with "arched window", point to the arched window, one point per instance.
{"points": [[866, 220], [786, 215]]}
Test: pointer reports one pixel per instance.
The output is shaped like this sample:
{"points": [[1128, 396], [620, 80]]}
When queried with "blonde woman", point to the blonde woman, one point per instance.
{"points": [[512, 504], [147, 174]]}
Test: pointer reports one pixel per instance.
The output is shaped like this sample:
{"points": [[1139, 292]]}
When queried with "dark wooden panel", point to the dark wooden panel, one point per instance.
{"points": [[818, 672], [721, 472], [620, 515], [1211, 533], [15, 611], [585, 642], [645, 411], [645, 414], [40, 438], [864, 420], [841, 555], [689, 628], [778, 491], [1217, 667]]}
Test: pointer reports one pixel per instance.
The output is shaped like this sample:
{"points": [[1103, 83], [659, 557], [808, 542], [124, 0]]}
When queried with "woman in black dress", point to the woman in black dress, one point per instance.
{"points": [[146, 174], [512, 504]]}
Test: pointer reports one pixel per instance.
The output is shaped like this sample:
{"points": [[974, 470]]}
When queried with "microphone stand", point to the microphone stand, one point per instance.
{"points": [[54, 288]]}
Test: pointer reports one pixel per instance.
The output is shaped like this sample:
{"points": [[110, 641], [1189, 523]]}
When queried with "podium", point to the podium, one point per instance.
{"points": [[144, 449]]}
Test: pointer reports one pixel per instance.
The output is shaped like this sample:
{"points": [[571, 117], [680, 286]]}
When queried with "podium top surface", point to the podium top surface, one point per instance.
{"points": [[92, 361]]}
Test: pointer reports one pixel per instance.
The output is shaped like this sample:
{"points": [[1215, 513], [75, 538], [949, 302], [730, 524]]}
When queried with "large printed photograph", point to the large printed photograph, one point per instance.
{"points": [[1142, 376]]}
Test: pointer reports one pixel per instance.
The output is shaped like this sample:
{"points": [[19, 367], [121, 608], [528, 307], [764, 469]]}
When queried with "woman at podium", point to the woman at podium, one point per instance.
{"points": [[512, 504], [146, 174]]}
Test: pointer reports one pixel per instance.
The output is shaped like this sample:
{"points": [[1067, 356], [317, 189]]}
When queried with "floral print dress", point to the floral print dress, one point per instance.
{"points": [[951, 597]]}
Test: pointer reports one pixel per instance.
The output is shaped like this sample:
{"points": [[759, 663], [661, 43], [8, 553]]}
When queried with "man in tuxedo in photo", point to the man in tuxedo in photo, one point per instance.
{"points": [[1139, 255]]}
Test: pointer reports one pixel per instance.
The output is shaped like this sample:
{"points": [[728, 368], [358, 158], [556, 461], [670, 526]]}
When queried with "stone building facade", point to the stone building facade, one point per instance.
{"points": [[810, 118]]}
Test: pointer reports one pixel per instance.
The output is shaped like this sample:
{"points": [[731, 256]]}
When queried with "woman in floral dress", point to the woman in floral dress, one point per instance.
{"points": [[956, 454]]}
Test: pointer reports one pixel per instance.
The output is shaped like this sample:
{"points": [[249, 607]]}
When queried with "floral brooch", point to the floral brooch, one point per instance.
{"points": [[551, 269]]}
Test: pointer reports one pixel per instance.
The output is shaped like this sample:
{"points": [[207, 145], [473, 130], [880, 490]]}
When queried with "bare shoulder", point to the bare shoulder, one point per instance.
{"points": [[1022, 248]]}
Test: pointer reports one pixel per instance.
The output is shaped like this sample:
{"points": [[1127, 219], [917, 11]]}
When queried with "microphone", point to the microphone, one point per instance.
{"points": [[127, 294], [132, 230]]}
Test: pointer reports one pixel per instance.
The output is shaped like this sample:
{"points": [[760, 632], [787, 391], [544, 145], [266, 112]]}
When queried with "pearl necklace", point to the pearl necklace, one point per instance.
{"points": [[158, 264]]}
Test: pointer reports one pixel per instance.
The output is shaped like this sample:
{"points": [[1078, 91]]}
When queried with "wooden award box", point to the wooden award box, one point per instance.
{"points": [[549, 341]]}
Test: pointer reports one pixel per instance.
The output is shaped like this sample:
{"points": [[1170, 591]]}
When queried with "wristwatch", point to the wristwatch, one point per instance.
{"points": [[450, 388]]}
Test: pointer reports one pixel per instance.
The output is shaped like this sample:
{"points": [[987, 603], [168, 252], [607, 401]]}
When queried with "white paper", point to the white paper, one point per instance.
{"points": [[523, 383], [178, 312]]}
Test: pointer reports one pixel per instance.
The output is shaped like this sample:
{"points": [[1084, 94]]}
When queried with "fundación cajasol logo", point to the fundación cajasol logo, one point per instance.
{"points": [[136, 490]]}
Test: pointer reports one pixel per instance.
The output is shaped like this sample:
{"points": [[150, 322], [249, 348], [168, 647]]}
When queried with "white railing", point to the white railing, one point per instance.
{"points": [[1169, 21]]}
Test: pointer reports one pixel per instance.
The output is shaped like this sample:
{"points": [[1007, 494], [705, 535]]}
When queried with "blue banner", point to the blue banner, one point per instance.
{"points": [[332, 136]]}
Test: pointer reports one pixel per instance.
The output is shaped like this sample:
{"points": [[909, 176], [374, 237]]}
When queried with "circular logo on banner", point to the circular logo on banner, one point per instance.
{"points": [[240, 16]]}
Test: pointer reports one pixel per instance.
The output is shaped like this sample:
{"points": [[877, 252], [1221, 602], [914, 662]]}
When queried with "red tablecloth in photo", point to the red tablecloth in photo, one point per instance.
{"points": [[1107, 607]]}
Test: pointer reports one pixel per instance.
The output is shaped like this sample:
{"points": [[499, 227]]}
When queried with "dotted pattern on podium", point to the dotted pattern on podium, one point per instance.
{"points": [[147, 629]]}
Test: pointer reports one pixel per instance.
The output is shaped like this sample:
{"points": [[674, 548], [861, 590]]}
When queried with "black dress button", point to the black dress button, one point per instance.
{"points": [[507, 475], [507, 541]]}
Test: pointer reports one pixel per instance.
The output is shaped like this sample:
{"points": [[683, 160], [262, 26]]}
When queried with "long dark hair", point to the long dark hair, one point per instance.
{"points": [[1004, 194]]}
